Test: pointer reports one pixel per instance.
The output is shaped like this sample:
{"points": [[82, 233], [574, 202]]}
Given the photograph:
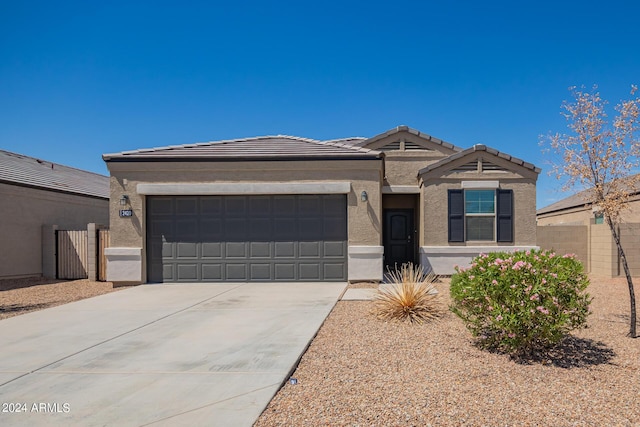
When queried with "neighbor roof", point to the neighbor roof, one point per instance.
{"points": [[475, 148], [578, 200], [263, 147], [18, 169]]}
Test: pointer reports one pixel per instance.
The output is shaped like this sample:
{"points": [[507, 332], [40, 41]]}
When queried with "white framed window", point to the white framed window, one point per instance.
{"points": [[480, 214]]}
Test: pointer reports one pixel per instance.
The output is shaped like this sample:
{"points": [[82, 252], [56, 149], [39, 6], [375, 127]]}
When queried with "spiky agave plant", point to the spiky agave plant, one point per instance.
{"points": [[411, 297]]}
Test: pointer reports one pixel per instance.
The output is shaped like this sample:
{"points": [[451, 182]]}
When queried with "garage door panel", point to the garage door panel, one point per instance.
{"points": [[162, 228], [211, 250], [186, 250], [334, 228], [235, 206], [168, 250], [211, 229], [260, 271], [212, 272], [236, 272], [309, 249], [186, 206], [260, 206], [168, 272], [284, 206], [285, 228], [284, 249], [310, 228], [260, 229], [334, 271], [333, 205], [187, 272], [211, 206], [247, 238], [161, 206], [260, 250], [187, 228], [236, 250], [284, 271], [235, 229], [334, 249], [309, 271], [309, 205]]}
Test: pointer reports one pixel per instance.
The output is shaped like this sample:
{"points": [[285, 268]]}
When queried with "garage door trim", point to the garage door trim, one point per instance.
{"points": [[243, 188]]}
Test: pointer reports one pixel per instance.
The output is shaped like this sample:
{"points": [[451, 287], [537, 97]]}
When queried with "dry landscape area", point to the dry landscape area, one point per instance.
{"points": [[360, 371], [20, 296]]}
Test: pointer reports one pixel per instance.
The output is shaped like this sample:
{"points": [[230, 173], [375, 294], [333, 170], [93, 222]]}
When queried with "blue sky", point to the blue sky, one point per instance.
{"points": [[79, 79]]}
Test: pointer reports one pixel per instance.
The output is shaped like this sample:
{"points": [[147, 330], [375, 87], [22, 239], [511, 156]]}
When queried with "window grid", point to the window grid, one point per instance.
{"points": [[480, 215]]}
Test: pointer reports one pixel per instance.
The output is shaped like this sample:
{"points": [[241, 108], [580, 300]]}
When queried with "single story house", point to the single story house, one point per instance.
{"points": [[285, 208], [35, 194], [578, 209]]}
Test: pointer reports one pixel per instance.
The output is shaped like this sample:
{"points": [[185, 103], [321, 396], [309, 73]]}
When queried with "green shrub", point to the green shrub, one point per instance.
{"points": [[411, 296], [522, 301]]}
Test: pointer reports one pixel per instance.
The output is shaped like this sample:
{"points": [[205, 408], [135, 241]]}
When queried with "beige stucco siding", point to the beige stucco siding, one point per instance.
{"points": [[401, 168], [435, 208], [25, 210], [584, 215], [363, 217]]}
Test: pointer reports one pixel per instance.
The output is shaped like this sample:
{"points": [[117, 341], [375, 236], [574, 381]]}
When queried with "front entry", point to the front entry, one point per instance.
{"points": [[398, 237]]}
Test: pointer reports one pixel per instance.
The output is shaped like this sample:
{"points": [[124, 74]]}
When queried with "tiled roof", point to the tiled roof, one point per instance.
{"points": [[479, 147], [582, 198], [404, 128], [263, 147], [579, 199], [28, 171]]}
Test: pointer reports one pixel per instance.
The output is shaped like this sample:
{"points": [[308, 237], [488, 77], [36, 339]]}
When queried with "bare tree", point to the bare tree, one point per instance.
{"points": [[602, 157]]}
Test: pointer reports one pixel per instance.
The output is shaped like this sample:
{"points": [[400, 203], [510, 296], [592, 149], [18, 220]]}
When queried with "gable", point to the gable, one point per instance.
{"points": [[480, 161], [405, 139]]}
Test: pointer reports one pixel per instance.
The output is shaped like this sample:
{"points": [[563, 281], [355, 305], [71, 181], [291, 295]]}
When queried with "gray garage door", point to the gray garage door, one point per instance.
{"points": [[247, 238]]}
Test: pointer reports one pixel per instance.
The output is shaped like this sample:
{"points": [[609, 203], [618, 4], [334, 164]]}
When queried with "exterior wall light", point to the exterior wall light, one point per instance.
{"points": [[364, 196], [124, 200]]}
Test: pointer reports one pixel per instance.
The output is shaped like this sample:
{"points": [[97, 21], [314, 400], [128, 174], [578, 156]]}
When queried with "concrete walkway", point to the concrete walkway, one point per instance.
{"points": [[161, 355]]}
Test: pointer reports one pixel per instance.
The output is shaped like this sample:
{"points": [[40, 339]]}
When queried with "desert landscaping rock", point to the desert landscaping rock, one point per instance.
{"points": [[360, 371], [20, 296]]}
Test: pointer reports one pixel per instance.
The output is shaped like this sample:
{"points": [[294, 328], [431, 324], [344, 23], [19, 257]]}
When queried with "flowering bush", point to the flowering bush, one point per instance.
{"points": [[521, 301]]}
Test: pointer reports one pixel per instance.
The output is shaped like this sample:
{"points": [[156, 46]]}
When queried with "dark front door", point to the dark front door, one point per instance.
{"points": [[398, 237]]}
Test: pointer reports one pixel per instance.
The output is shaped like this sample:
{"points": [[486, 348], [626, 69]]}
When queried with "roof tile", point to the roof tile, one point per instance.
{"points": [[28, 171]]}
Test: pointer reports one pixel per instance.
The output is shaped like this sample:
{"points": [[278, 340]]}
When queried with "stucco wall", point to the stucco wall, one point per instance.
{"points": [[630, 240], [24, 211], [579, 216], [435, 208], [364, 218], [604, 254], [401, 168], [565, 239]]}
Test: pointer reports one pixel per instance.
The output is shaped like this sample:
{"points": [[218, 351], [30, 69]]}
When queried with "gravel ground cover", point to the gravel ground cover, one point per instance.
{"points": [[360, 371], [20, 296]]}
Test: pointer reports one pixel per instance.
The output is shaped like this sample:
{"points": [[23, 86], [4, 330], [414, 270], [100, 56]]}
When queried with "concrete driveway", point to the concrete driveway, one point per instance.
{"points": [[161, 355]]}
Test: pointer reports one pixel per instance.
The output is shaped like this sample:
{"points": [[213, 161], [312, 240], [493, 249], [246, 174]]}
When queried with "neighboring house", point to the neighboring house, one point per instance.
{"points": [[572, 225], [36, 193], [293, 209], [577, 209]]}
